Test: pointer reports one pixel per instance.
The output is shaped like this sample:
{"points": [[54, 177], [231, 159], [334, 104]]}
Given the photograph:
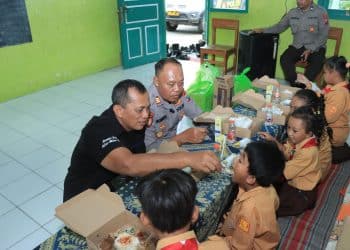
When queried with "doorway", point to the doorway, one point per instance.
{"points": [[185, 28]]}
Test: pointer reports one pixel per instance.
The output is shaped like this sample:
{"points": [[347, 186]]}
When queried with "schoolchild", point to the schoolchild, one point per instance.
{"points": [[307, 97], [167, 199], [337, 101], [297, 192], [251, 223]]}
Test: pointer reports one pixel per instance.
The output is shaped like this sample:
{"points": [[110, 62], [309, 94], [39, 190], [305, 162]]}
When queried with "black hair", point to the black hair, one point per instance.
{"points": [[317, 104], [337, 63], [266, 162], [167, 198], [161, 63], [314, 121], [120, 93]]}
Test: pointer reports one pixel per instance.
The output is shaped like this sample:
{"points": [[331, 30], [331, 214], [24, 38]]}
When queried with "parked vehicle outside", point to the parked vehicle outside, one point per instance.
{"points": [[186, 12]]}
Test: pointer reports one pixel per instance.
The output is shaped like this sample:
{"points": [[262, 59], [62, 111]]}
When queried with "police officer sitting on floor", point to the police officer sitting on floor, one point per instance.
{"points": [[309, 24], [169, 103], [112, 144]]}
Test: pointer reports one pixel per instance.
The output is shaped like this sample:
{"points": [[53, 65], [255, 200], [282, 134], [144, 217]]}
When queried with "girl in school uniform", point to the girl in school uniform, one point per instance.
{"points": [[337, 101], [302, 173], [307, 97]]}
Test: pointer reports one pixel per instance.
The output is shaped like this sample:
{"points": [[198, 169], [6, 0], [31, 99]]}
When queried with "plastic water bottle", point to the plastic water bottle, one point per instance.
{"points": [[277, 96], [231, 134], [269, 115], [217, 150]]}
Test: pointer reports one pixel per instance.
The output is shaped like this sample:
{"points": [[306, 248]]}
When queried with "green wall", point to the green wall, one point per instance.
{"points": [[263, 13], [71, 38]]}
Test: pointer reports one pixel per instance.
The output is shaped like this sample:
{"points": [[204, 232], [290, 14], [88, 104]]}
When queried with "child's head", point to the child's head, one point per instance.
{"points": [[307, 97], [335, 69], [260, 164], [303, 123], [167, 198]]}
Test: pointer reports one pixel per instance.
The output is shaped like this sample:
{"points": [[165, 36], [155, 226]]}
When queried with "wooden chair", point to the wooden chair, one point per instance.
{"points": [[335, 34], [222, 51]]}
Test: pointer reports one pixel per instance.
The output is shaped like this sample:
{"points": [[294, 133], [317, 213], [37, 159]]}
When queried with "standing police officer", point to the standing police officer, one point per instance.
{"points": [[309, 24], [169, 103]]}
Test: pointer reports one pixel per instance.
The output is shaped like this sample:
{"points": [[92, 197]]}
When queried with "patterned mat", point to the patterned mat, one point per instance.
{"points": [[312, 229]]}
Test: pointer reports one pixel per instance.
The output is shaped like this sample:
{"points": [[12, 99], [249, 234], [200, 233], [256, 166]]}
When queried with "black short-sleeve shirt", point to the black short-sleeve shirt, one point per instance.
{"points": [[101, 135]]}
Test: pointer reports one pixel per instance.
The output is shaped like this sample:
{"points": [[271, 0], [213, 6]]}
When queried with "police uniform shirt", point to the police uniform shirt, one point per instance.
{"points": [[166, 117], [303, 171], [101, 135], [188, 241], [252, 223], [337, 102], [309, 28]]}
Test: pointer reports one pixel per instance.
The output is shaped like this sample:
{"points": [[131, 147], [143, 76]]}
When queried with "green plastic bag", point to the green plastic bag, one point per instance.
{"points": [[202, 89], [242, 82]]}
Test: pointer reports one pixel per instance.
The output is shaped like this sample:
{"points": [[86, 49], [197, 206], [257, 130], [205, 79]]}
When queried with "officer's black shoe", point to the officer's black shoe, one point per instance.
{"points": [[298, 85]]}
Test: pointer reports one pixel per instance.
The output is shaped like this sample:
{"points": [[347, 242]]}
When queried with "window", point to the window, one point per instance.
{"points": [[337, 9], [229, 5]]}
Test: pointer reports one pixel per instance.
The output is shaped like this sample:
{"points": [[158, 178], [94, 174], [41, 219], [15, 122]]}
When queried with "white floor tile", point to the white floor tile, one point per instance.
{"points": [[52, 115], [31, 241], [60, 185], [42, 207], [5, 205], [73, 125], [4, 158], [20, 148], [25, 188], [56, 171], [59, 140], [11, 171], [54, 225], [27, 124], [39, 158], [9, 135], [78, 108], [15, 225]]}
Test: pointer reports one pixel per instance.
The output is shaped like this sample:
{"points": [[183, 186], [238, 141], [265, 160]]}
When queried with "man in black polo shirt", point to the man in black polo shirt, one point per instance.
{"points": [[113, 144]]}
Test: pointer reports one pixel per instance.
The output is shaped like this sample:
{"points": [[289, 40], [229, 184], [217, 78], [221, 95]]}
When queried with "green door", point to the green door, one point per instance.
{"points": [[142, 31]]}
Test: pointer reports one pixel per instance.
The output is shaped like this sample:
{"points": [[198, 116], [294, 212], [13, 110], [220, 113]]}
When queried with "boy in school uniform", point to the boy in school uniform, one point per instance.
{"points": [[252, 223], [167, 199]]}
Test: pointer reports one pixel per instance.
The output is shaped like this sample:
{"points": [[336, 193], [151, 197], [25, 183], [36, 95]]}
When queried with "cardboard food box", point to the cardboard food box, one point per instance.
{"points": [[250, 99], [95, 214], [277, 119], [209, 117], [286, 91], [226, 113], [223, 91], [257, 122]]}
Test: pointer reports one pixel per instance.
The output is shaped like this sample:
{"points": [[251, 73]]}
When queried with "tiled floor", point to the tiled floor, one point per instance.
{"points": [[38, 133]]}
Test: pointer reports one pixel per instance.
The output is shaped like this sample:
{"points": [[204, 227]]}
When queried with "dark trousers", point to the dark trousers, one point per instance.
{"points": [[292, 55], [294, 201], [340, 154]]}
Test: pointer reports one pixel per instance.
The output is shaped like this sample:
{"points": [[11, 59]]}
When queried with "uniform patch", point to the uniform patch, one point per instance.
{"points": [[243, 225], [157, 100], [333, 109], [159, 134]]}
